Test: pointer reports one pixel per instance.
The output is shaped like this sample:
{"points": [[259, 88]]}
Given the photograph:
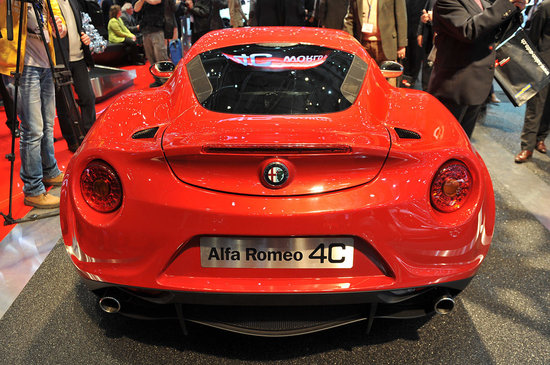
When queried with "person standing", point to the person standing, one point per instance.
{"points": [[380, 26], [464, 66], [537, 113], [77, 53], [330, 13], [414, 52], [200, 10], [36, 96], [424, 37], [152, 28]]}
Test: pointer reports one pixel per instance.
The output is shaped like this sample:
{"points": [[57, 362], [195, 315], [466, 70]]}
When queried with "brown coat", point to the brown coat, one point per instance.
{"points": [[392, 22]]}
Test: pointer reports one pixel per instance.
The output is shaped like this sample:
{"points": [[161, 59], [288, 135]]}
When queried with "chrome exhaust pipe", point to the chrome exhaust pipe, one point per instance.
{"points": [[109, 305], [444, 304]]}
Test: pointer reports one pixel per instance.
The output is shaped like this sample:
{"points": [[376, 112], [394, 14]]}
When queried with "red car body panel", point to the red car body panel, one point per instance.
{"points": [[375, 189]]}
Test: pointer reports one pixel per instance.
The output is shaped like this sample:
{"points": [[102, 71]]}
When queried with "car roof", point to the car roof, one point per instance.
{"points": [[330, 38]]}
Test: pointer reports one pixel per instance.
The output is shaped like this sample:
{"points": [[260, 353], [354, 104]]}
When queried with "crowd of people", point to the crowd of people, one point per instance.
{"points": [[450, 43]]}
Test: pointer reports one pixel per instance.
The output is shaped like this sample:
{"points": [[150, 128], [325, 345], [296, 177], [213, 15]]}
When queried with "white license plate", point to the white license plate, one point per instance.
{"points": [[277, 253]]}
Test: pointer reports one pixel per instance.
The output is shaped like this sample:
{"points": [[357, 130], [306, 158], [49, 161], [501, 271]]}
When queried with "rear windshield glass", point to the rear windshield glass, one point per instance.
{"points": [[273, 79]]}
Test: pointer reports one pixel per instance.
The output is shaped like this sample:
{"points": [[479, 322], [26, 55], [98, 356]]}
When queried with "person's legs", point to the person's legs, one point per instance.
{"points": [[544, 124], [47, 95], [33, 112], [148, 48], [466, 115], [159, 53], [65, 121], [159, 47], [531, 122], [85, 92], [132, 51], [469, 119], [426, 73]]}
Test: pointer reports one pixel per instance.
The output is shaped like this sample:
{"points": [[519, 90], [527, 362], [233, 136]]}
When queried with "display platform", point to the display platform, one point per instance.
{"points": [[107, 81], [56, 320]]}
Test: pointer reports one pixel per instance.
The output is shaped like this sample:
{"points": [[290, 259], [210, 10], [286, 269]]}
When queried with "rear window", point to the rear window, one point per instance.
{"points": [[276, 79]]}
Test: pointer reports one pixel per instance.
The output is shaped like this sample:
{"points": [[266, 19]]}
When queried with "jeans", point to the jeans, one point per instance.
{"points": [[36, 109]]}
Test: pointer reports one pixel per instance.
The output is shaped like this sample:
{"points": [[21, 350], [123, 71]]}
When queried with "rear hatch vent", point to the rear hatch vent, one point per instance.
{"points": [[145, 133], [407, 134]]}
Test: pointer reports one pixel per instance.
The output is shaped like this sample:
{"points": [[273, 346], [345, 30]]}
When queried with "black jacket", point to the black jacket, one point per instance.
{"points": [[269, 12], [65, 40], [202, 15], [280, 12], [465, 62]]}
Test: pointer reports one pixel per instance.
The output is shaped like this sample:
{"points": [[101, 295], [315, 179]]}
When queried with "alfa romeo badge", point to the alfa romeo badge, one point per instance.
{"points": [[275, 174]]}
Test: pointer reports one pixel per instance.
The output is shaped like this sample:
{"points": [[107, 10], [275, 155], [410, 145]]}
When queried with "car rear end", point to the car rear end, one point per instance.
{"points": [[276, 204]]}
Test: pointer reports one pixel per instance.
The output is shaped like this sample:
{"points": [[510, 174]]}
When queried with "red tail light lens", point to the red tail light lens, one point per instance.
{"points": [[451, 187], [101, 187]]}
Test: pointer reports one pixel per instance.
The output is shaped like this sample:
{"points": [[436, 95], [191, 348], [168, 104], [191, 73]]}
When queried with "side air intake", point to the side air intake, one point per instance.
{"points": [[407, 134], [145, 133]]}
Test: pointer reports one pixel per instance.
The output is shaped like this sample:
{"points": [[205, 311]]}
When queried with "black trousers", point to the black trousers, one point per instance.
{"points": [[466, 115], [86, 101], [132, 50], [536, 122]]}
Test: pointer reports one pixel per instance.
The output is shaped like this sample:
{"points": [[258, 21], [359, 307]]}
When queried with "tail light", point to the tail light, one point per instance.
{"points": [[101, 187], [450, 187]]}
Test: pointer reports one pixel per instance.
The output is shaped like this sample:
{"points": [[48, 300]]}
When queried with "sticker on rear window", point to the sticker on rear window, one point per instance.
{"points": [[267, 60]]}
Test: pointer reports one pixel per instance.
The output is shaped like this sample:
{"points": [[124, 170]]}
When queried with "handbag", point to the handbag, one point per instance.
{"points": [[519, 69]]}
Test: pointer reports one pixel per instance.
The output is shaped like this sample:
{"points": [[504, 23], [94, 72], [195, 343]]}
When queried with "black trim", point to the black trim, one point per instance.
{"points": [[407, 134], [145, 133], [288, 299]]}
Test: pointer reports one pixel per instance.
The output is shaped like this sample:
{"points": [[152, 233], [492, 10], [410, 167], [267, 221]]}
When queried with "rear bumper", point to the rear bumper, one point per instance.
{"points": [[389, 297], [275, 315]]}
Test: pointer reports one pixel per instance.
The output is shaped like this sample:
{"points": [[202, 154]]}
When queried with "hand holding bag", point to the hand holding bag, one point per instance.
{"points": [[519, 69]]}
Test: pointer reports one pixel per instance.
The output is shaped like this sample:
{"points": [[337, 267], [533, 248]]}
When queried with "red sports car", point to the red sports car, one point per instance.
{"points": [[277, 185]]}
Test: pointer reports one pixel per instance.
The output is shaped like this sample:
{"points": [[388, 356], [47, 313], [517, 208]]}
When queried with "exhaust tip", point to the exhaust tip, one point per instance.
{"points": [[444, 305], [109, 305]]}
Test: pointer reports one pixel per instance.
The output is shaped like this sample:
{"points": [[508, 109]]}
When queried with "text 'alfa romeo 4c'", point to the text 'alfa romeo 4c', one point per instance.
{"points": [[277, 185]]}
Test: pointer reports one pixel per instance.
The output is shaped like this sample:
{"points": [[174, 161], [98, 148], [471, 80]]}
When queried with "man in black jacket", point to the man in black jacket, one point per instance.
{"points": [[537, 113], [74, 49], [465, 62], [204, 19]]}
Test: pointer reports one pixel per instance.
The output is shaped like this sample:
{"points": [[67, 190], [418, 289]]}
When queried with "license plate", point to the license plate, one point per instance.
{"points": [[277, 253]]}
